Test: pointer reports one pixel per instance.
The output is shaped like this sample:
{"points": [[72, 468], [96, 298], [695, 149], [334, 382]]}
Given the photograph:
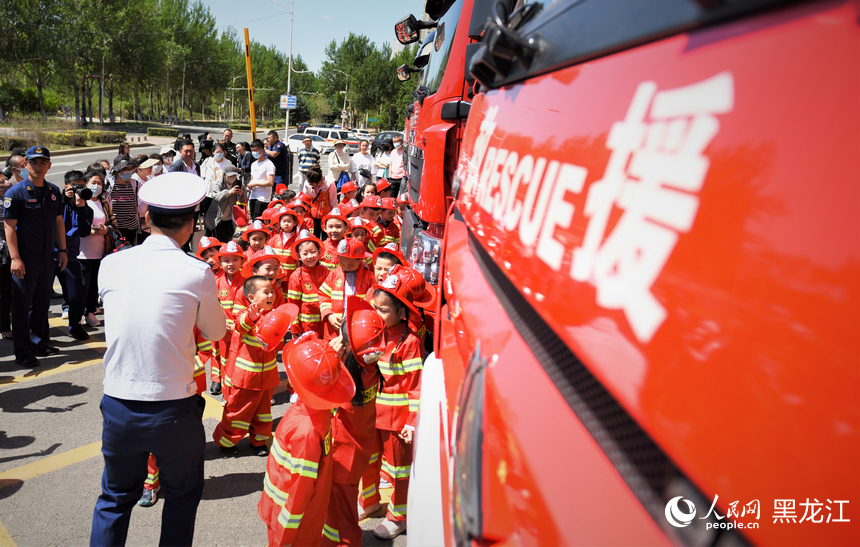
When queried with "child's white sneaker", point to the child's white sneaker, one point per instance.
{"points": [[389, 529]]}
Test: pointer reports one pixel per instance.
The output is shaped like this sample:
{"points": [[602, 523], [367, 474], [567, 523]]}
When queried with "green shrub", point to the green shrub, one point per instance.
{"points": [[160, 132], [111, 137], [8, 142], [67, 138]]}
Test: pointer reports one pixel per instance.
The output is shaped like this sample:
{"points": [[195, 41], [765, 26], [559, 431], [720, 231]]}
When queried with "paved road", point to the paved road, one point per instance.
{"points": [[50, 460], [50, 463]]}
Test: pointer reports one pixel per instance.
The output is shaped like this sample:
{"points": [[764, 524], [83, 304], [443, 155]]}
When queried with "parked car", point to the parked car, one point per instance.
{"points": [[332, 135], [318, 143], [302, 126], [384, 136]]}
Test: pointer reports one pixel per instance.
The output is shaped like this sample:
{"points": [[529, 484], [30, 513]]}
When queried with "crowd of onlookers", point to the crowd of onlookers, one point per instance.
{"points": [[98, 210]]}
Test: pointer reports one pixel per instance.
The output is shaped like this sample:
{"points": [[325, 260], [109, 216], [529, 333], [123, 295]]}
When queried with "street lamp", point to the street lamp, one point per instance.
{"points": [[344, 92], [233, 96], [182, 103]]}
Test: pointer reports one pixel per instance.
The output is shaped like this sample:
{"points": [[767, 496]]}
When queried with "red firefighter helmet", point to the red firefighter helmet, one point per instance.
{"points": [[257, 226], [352, 248], [263, 254], [266, 216], [389, 203], [316, 372], [374, 202], [382, 184], [396, 286], [305, 236], [338, 214], [348, 186], [403, 199], [276, 218], [349, 207], [240, 216], [230, 249], [276, 203], [273, 326], [424, 295], [391, 248], [207, 243], [365, 330]]}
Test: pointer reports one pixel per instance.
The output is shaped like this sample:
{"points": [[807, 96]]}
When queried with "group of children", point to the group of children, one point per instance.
{"points": [[347, 312]]}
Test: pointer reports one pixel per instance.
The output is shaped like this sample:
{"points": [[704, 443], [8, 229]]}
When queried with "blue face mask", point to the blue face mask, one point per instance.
{"points": [[126, 176], [256, 155], [24, 173], [219, 156]]}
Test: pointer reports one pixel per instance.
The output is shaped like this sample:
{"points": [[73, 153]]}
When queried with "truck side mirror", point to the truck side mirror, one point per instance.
{"points": [[407, 29], [404, 72]]}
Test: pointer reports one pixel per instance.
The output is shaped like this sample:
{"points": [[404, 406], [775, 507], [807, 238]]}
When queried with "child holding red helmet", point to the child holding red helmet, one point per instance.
{"points": [[351, 276], [297, 484], [354, 424], [304, 284], [254, 371], [396, 404]]}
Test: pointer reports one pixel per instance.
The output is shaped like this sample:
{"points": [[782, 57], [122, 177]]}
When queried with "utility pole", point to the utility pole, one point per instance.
{"points": [[102, 98]]}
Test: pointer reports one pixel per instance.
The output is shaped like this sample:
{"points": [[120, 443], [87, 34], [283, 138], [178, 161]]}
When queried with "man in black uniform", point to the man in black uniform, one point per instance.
{"points": [[34, 224], [281, 156]]}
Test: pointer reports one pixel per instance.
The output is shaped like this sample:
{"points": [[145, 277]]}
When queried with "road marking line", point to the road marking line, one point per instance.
{"points": [[214, 408], [98, 345], [45, 372], [53, 463], [5, 537]]}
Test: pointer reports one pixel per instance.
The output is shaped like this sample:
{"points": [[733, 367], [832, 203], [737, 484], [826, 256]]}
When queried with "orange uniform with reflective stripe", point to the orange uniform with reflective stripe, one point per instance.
{"points": [[283, 248], [328, 256], [332, 294], [303, 291], [227, 292], [390, 233], [297, 484]]}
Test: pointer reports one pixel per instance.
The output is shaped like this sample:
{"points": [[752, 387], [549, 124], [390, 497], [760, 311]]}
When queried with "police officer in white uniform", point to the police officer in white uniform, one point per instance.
{"points": [[154, 294]]}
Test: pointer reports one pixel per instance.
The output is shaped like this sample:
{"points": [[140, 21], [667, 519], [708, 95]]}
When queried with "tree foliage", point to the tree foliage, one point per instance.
{"points": [[54, 53]]}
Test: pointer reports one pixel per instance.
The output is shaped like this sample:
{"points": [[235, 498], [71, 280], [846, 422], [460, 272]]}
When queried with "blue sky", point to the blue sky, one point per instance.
{"points": [[315, 22]]}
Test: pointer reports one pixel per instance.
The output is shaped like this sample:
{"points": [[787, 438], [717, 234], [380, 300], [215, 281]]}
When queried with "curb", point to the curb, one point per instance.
{"points": [[93, 149]]}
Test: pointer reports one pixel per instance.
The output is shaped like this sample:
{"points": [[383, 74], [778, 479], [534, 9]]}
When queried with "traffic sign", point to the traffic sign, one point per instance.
{"points": [[288, 102], [344, 113], [372, 120]]}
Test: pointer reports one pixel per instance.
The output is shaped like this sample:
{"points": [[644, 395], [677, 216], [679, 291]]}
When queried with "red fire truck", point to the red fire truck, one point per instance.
{"points": [[651, 281]]}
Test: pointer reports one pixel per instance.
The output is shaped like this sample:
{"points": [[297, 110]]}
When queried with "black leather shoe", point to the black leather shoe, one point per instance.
{"points": [[215, 388], [79, 334], [45, 351], [27, 360]]}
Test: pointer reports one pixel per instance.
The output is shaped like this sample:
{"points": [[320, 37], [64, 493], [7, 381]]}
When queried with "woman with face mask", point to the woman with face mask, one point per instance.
{"points": [[211, 170], [124, 200], [93, 245]]}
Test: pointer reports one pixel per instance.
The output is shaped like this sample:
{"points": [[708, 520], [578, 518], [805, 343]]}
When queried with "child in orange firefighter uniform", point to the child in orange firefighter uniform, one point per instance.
{"points": [[254, 372], [354, 435], [336, 227], [304, 285], [350, 277], [257, 235], [284, 238], [297, 484], [390, 229], [396, 404], [229, 283]]}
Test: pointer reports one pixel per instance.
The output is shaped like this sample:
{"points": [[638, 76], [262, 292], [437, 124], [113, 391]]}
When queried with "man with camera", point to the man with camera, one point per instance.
{"points": [[78, 221], [34, 228]]}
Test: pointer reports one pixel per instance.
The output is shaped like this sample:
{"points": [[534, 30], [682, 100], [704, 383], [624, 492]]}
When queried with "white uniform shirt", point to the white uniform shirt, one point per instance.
{"points": [[153, 296]]}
